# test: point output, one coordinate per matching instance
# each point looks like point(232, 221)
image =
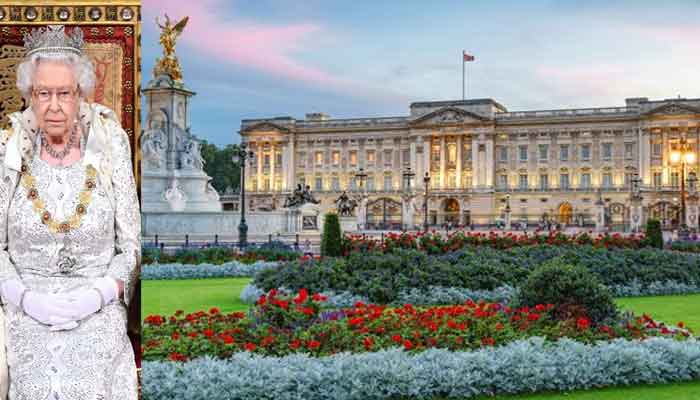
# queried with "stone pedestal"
point(348, 224)
point(361, 216)
point(691, 213)
point(304, 219)
point(173, 177)
point(636, 215)
point(599, 214)
point(408, 211)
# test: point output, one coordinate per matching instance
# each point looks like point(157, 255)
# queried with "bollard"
point(216, 239)
point(382, 239)
point(187, 240)
point(296, 242)
point(156, 240)
point(269, 238)
point(162, 247)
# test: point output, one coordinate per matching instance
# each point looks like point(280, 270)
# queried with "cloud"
point(270, 49)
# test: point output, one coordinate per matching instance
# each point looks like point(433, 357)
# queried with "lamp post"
point(407, 197)
point(426, 182)
point(408, 177)
point(240, 156)
point(361, 212)
point(361, 175)
point(684, 155)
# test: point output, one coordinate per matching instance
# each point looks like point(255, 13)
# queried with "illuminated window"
point(370, 156)
point(301, 159)
point(452, 153)
point(336, 158)
point(353, 158)
point(319, 158)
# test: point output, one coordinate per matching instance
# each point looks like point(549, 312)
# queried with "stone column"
point(644, 156)
point(489, 170)
point(291, 165)
point(426, 156)
point(458, 176)
point(272, 165)
point(599, 213)
point(443, 161)
point(666, 174)
point(413, 162)
point(260, 165)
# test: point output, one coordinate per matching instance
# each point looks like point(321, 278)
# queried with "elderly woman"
point(69, 232)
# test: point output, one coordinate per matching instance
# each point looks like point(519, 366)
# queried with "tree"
point(219, 167)
point(653, 235)
point(330, 242)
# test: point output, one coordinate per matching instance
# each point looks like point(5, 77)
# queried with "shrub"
point(229, 269)
point(576, 291)
point(653, 235)
point(331, 241)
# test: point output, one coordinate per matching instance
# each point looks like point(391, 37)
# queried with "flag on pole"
point(467, 57)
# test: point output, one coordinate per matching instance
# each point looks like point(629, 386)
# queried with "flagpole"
point(462, 74)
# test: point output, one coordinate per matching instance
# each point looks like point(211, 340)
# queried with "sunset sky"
point(267, 58)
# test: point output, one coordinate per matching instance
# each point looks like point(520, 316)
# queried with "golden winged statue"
point(169, 64)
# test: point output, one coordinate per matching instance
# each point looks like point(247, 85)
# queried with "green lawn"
point(165, 297)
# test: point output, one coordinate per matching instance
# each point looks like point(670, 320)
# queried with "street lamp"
point(426, 182)
point(408, 177)
point(361, 175)
point(240, 156)
point(683, 156)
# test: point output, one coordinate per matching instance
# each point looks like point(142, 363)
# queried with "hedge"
point(525, 366)
point(231, 269)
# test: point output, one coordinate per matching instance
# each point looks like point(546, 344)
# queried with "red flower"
point(268, 340)
point(177, 357)
point(250, 346)
point(499, 326)
point(302, 296)
point(227, 339)
point(208, 333)
point(262, 300)
point(397, 338)
point(368, 343)
point(533, 317)
point(213, 311)
point(488, 341)
point(179, 312)
point(313, 344)
point(193, 334)
point(295, 344)
point(540, 307)
point(175, 336)
point(407, 345)
point(681, 324)
point(318, 297)
point(356, 321)
point(583, 323)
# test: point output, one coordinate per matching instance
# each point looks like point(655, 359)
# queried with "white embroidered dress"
point(94, 360)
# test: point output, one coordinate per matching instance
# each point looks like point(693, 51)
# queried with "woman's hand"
point(85, 302)
point(47, 308)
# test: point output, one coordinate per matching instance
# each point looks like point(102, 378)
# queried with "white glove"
point(11, 291)
point(47, 309)
point(85, 302)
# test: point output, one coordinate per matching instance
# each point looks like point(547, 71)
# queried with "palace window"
point(353, 158)
point(564, 152)
point(467, 152)
point(301, 159)
point(370, 157)
point(319, 158)
point(585, 181)
point(657, 179)
point(336, 158)
point(278, 159)
point(656, 150)
point(406, 157)
point(335, 183)
point(585, 152)
point(353, 183)
point(629, 151)
point(522, 182)
point(435, 155)
point(388, 157)
point(503, 181)
point(388, 184)
point(564, 181)
point(607, 151)
point(544, 149)
point(544, 182)
point(278, 184)
point(503, 153)
point(451, 181)
point(266, 160)
point(607, 180)
point(266, 185)
point(675, 181)
point(523, 153)
point(451, 153)
point(319, 183)
point(370, 183)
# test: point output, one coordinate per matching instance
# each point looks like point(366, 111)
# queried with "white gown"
point(94, 360)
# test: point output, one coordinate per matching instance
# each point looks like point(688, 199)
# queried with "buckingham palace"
point(474, 159)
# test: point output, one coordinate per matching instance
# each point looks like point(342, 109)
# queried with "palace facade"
point(547, 165)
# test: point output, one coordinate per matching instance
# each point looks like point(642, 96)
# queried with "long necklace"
point(84, 197)
point(59, 155)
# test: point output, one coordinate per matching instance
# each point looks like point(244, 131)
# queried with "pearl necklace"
point(55, 154)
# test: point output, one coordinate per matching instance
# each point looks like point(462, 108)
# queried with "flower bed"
point(280, 325)
point(382, 277)
point(518, 367)
point(221, 255)
point(231, 269)
point(436, 243)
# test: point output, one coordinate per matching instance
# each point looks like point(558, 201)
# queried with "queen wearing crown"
point(69, 231)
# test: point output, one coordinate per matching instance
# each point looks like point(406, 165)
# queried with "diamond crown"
point(53, 39)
